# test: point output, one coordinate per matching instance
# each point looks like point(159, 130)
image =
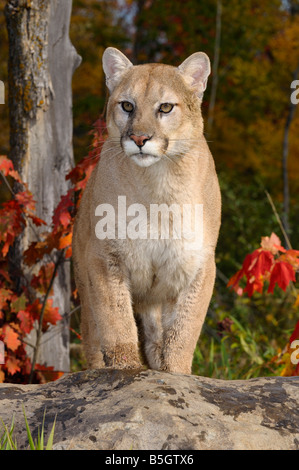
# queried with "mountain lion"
point(150, 287)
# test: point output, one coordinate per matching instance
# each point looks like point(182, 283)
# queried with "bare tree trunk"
point(215, 67)
point(41, 64)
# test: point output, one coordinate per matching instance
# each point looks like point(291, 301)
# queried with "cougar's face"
point(151, 114)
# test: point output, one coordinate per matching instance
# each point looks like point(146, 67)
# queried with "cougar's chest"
point(159, 269)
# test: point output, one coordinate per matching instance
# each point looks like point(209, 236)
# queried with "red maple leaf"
point(11, 224)
point(37, 250)
point(291, 257)
point(7, 168)
point(12, 365)
point(266, 263)
point(256, 267)
point(282, 274)
point(25, 199)
point(6, 165)
point(11, 338)
point(66, 241)
point(62, 214)
point(26, 321)
point(81, 173)
point(42, 280)
point(295, 334)
point(51, 314)
point(272, 244)
point(36, 220)
point(6, 295)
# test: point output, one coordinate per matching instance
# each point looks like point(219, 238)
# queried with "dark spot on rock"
point(169, 438)
point(177, 403)
point(11, 393)
point(188, 421)
point(93, 438)
point(271, 398)
point(169, 390)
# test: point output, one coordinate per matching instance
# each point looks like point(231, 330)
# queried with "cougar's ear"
point(196, 70)
point(115, 64)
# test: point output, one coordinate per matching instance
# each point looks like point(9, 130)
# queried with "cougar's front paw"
point(123, 356)
point(154, 355)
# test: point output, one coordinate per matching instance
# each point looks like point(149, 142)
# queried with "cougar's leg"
point(182, 321)
point(150, 316)
point(108, 327)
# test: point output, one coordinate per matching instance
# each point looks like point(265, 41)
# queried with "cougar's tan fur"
point(157, 284)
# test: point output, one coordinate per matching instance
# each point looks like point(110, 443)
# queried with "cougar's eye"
point(127, 106)
point(166, 108)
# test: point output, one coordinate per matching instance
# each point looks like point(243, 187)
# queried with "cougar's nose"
point(139, 140)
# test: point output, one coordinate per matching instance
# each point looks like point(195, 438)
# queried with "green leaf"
point(250, 351)
point(6, 442)
point(19, 304)
point(31, 443)
point(51, 437)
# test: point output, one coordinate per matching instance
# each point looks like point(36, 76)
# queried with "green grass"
point(7, 441)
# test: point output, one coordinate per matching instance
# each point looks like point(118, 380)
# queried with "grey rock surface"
point(150, 410)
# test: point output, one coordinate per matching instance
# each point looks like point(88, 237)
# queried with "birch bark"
point(42, 61)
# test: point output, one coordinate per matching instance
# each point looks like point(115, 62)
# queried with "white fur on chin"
point(144, 160)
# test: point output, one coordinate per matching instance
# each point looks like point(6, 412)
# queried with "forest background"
point(254, 50)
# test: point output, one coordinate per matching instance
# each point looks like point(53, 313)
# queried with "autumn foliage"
point(271, 265)
point(271, 262)
point(25, 291)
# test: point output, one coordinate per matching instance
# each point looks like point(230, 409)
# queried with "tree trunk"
point(215, 67)
point(41, 64)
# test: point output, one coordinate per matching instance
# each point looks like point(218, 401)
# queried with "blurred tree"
point(170, 30)
point(95, 25)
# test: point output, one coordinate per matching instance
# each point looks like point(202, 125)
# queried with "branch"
point(39, 331)
point(279, 220)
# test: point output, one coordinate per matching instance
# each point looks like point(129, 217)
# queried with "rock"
point(150, 410)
